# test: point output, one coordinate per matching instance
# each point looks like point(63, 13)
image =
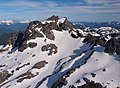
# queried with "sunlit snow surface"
point(72, 53)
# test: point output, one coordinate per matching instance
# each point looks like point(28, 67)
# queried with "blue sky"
point(74, 10)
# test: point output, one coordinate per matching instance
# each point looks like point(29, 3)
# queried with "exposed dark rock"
point(77, 35)
point(52, 48)
point(3, 76)
point(33, 55)
point(62, 26)
point(53, 18)
point(47, 30)
point(78, 81)
point(27, 75)
point(23, 46)
point(72, 86)
point(86, 79)
point(118, 47)
point(12, 39)
point(60, 83)
point(114, 34)
point(74, 36)
point(40, 64)
point(93, 74)
point(69, 24)
point(34, 35)
point(111, 46)
point(101, 41)
point(104, 69)
point(34, 24)
point(32, 44)
point(89, 38)
point(20, 39)
point(91, 84)
point(2, 50)
point(2, 66)
point(93, 39)
point(22, 66)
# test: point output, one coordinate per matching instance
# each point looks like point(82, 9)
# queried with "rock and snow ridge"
point(55, 54)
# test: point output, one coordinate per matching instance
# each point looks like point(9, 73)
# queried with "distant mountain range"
point(9, 22)
point(112, 24)
point(8, 27)
point(12, 25)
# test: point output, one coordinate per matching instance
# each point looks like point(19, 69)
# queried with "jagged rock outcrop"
point(52, 48)
point(55, 54)
point(111, 46)
point(38, 29)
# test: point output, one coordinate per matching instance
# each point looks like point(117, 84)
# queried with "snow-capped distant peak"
point(24, 21)
point(7, 22)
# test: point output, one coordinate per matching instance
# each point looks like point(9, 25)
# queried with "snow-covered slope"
point(55, 54)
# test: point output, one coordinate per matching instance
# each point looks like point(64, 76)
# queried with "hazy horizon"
point(74, 10)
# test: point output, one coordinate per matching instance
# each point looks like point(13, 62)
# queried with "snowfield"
point(72, 62)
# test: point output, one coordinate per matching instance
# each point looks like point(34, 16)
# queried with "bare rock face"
point(32, 44)
point(20, 39)
point(47, 30)
point(91, 84)
point(69, 24)
point(12, 39)
point(39, 29)
point(3, 76)
point(89, 38)
point(118, 47)
point(40, 64)
point(53, 18)
point(52, 48)
point(23, 46)
point(27, 75)
point(34, 24)
point(111, 46)
point(93, 39)
point(101, 41)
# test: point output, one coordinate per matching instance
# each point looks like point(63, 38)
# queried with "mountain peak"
point(41, 29)
point(56, 54)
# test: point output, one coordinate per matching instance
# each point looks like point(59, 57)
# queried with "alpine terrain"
point(56, 54)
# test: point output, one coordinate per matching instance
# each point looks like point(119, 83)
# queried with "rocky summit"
point(56, 54)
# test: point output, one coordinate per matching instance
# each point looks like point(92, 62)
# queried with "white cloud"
point(102, 1)
point(28, 3)
point(34, 8)
point(33, 4)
